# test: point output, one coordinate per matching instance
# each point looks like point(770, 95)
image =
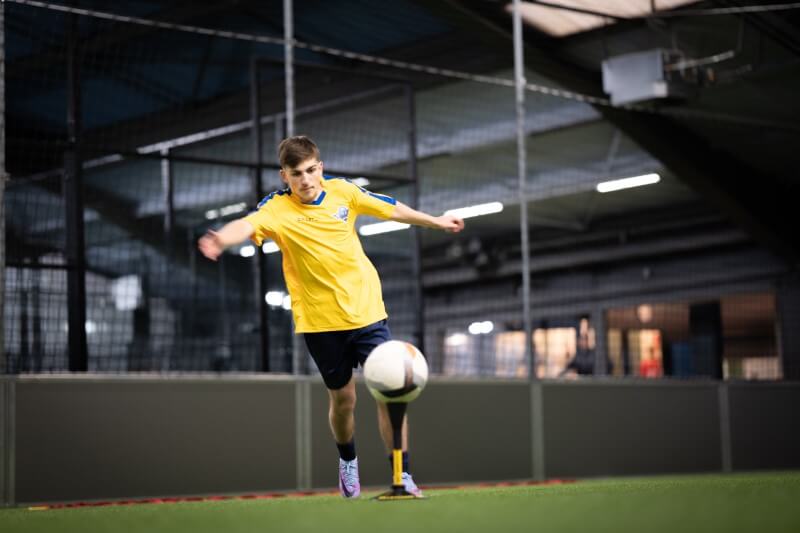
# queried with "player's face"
point(305, 180)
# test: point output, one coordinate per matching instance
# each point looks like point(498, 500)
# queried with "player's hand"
point(450, 223)
point(210, 245)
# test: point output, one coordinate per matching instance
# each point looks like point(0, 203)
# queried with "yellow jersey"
point(332, 284)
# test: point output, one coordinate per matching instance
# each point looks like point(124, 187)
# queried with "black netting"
point(634, 283)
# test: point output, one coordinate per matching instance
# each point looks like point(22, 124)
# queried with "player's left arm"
point(448, 223)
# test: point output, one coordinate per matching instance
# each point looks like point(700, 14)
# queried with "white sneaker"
point(349, 485)
point(410, 486)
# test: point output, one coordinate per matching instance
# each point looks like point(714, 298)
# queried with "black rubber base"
point(397, 493)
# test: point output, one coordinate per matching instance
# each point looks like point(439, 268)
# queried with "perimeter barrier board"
point(99, 438)
point(5, 439)
point(459, 431)
point(620, 429)
point(116, 437)
point(765, 425)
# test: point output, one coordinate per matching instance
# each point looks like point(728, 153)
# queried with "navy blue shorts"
point(337, 353)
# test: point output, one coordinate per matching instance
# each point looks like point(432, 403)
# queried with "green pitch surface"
point(677, 504)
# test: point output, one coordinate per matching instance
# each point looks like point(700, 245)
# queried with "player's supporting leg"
point(342, 403)
point(385, 426)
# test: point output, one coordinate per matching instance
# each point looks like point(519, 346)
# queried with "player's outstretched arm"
point(213, 243)
point(448, 223)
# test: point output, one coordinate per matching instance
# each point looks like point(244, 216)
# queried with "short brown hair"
point(294, 150)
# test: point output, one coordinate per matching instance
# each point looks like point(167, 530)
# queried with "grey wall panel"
point(473, 431)
point(4, 436)
point(459, 431)
point(98, 438)
point(765, 425)
point(95, 439)
point(603, 429)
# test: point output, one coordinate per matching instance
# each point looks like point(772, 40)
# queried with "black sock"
point(405, 462)
point(347, 451)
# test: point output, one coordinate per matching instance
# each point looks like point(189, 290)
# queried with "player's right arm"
point(213, 243)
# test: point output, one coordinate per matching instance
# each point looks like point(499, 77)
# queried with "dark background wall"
point(5, 435)
point(765, 426)
point(99, 438)
point(629, 429)
point(469, 431)
point(113, 438)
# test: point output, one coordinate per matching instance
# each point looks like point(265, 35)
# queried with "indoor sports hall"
point(612, 340)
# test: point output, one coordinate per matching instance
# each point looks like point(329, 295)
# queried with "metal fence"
point(129, 137)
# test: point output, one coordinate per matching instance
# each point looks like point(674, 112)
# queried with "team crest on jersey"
point(342, 214)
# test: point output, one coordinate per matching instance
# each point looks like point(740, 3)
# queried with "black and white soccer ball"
point(395, 371)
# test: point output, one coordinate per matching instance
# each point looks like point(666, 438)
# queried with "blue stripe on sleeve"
point(387, 199)
point(270, 196)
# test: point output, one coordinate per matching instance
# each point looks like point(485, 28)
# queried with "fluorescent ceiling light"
point(269, 247)
point(456, 339)
point(561, 22)
point(382, 227)
point(476, 210)
point(461, 212)
point(224, 211)
point(627, 183)
point(478, 328)
point(361, 182)
point(275, 298)
point(247, 251)
point(126, 292)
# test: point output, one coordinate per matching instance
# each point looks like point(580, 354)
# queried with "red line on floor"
point(275, 495)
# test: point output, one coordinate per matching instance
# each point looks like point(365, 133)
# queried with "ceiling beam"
point(756, 201)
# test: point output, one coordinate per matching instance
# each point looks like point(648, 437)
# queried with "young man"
point(335, 291)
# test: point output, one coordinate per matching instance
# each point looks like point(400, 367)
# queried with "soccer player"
point(335, 290)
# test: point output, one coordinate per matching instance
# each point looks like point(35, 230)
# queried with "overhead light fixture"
point(247, 251)
point(126, 292)
point(455, 340)
point(224, 211)
point(476, 210)
point(382, 227)
point(269, 247)
point(361, 182)
point(461, 212)
point(481, 328)
point(275, 298)
point(566, 18)
point(627, 183)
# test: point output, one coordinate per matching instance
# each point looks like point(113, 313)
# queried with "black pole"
point(3, 361)
point(397, 411)
point(73, 208)
point(705, 328)
point(222, 358)
point(37, 346)
point(416, 234)
point(258, 190)
point(24, 330)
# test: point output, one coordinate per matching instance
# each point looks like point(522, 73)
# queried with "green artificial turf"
point(762, 503)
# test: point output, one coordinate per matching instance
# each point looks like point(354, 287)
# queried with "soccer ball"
point(395, 371)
